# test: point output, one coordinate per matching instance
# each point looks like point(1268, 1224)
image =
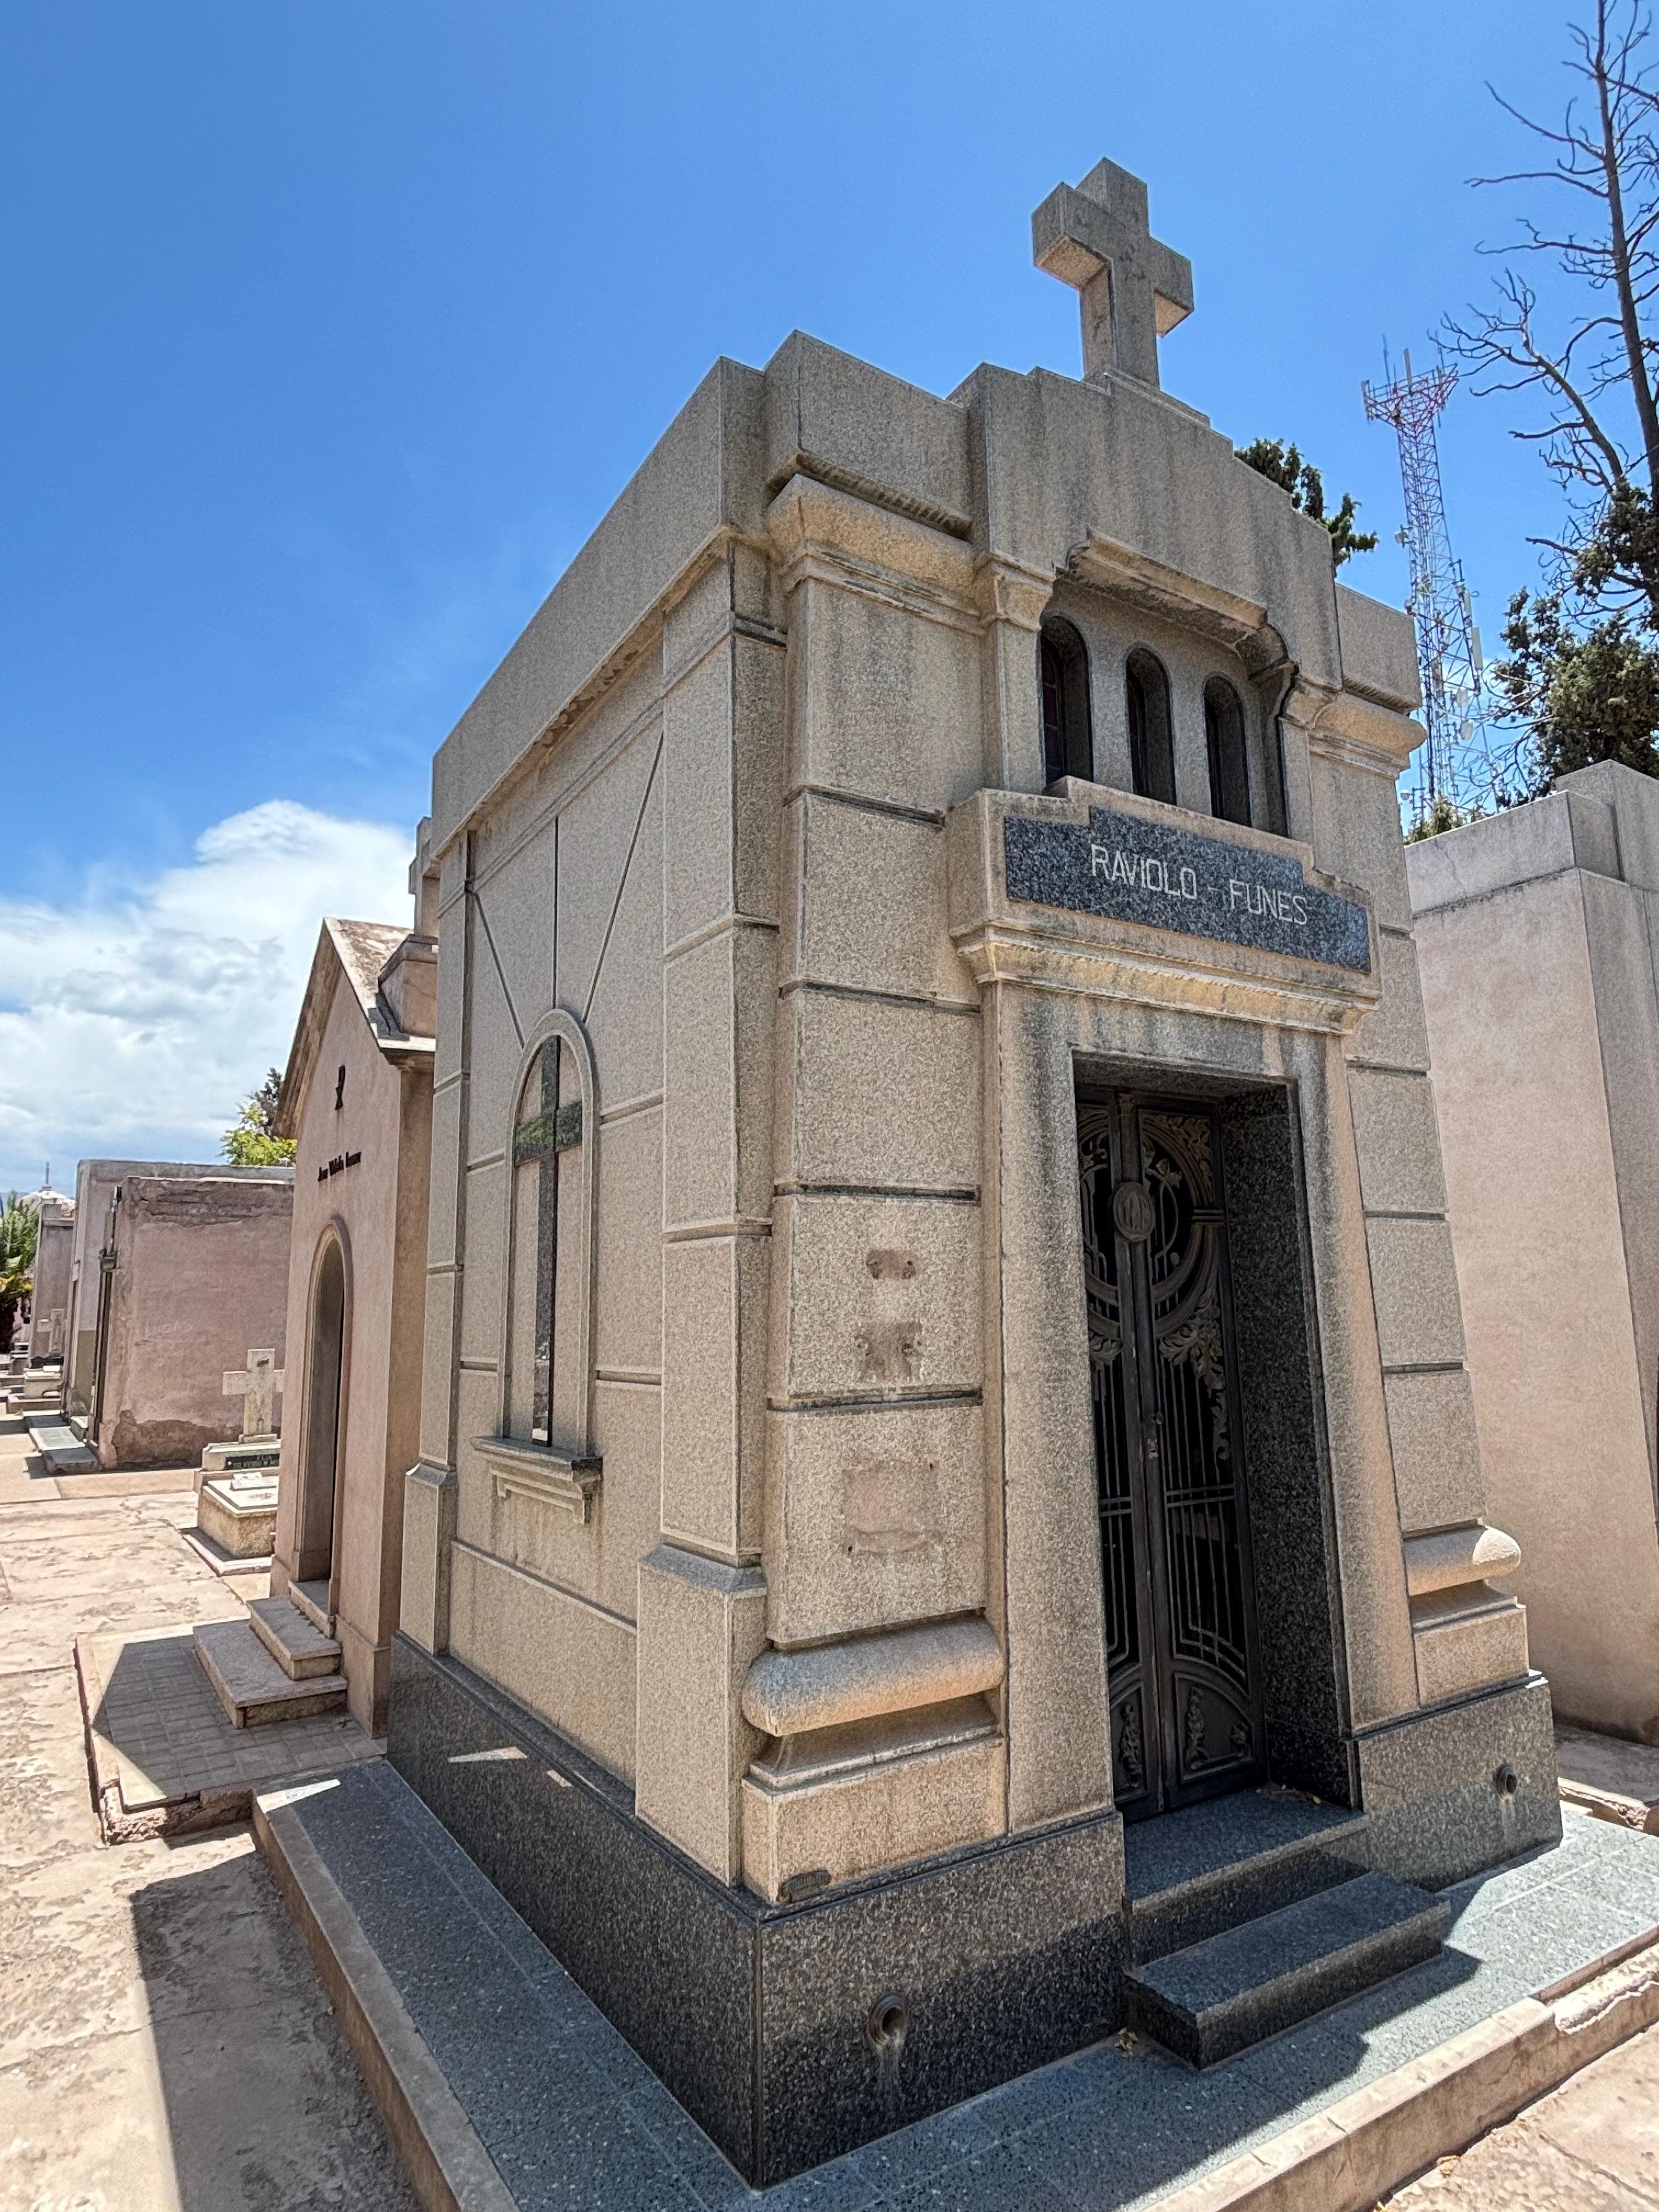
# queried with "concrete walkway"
point(1591, 2147)
point(164, 2044)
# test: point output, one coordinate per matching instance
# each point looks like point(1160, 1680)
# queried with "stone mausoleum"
point(357, 1099)
point(1537, 935)
point(948, 1489)
point(176, 1268)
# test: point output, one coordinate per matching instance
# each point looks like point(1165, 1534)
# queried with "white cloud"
point(134, 1022)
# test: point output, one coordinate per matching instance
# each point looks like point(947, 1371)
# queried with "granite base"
point(1461, 1788)
point(791, 2033)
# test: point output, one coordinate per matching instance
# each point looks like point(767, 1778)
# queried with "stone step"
point(61, 1449)
point(1196, 1873)
point(1237, 1989)
point(293, 1639)
point(250, 1685)
point(311, 1598)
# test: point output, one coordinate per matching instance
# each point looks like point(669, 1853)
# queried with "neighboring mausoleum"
point(946, 1472)
point(357, 1098)
point(1536, 930)
point(50, 1282)
point(177, 1268)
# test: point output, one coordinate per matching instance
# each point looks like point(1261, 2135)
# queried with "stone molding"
point(1009, 592)
point(1134, 578)
point(1347, 727)
point(828, 535)
point(535, 1471)
point(1456, 1557)
point(913, 508)
point(788, 1693)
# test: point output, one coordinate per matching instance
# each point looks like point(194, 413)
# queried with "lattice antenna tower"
point(1456, 762)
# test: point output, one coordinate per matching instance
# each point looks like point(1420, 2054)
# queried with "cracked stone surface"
point(1591, 2146)
point(164, 2046)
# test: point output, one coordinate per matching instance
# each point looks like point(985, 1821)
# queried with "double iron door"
point(1183, 1666)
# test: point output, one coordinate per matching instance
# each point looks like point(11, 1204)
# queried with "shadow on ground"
point(265, 2109)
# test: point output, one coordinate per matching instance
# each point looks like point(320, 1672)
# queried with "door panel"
point(1182, 1658)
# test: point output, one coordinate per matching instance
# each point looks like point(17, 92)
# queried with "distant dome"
point(46, 1196)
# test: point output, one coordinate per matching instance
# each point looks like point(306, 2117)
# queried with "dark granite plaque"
point(1132, 869)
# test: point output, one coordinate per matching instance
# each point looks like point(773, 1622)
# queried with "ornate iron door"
point(1182, 1663)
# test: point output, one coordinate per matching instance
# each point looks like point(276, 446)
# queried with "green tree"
point(1283, 464)
point(1442, 813)
point(20, 1225)
point(1585, 692)
point(1582, 679)
point(254, 1142)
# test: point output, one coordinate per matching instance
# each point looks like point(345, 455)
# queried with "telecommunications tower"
point(1455, 764)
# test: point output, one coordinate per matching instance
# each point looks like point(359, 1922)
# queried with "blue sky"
point(335, 325)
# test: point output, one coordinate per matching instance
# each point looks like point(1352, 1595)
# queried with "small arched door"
point(320, 1469)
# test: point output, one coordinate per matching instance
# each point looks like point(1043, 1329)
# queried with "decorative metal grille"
point(1182, 1649)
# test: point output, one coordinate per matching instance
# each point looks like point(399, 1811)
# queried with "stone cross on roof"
point(1097, 236)
point(256, 1385)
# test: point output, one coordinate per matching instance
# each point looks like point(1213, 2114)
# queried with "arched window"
point(1229, 774)
point(1068, 743)
point(542, 1129)
point(1152, 740)
point(547, 1369)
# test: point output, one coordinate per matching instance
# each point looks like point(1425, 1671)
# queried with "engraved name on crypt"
point(1130, 870)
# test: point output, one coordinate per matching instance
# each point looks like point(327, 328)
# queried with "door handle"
point(1152, 1439)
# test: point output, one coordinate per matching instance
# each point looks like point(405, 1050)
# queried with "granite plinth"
point(569, 2115)
point(1236, 1989)
point(791, 2033)
point(1462, 1787)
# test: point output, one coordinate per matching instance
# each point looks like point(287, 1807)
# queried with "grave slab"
point(239, 1513)
point(61, 1449)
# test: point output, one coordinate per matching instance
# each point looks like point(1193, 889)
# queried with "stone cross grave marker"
point(256, 1385)
point(1097, 236)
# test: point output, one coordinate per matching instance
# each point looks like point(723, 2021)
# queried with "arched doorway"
point(320, 1446)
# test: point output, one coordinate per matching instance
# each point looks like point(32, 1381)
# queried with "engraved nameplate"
point(1132, 869)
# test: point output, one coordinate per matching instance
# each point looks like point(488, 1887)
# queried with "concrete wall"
point(200, 1277)
point(376, 1210)
point(1538, 988)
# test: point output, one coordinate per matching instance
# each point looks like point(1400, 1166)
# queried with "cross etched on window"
point(544, 1130)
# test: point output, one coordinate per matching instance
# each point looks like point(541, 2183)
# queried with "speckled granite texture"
point(1292, 1538)
point(1429, 1784)
point(1133, 870)
point(1006, 1956)
point(575, 2120)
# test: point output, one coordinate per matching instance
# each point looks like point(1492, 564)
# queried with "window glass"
point(1068, 743)
point(1151, 746)
point(1224, 730)
point(535, 1249)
